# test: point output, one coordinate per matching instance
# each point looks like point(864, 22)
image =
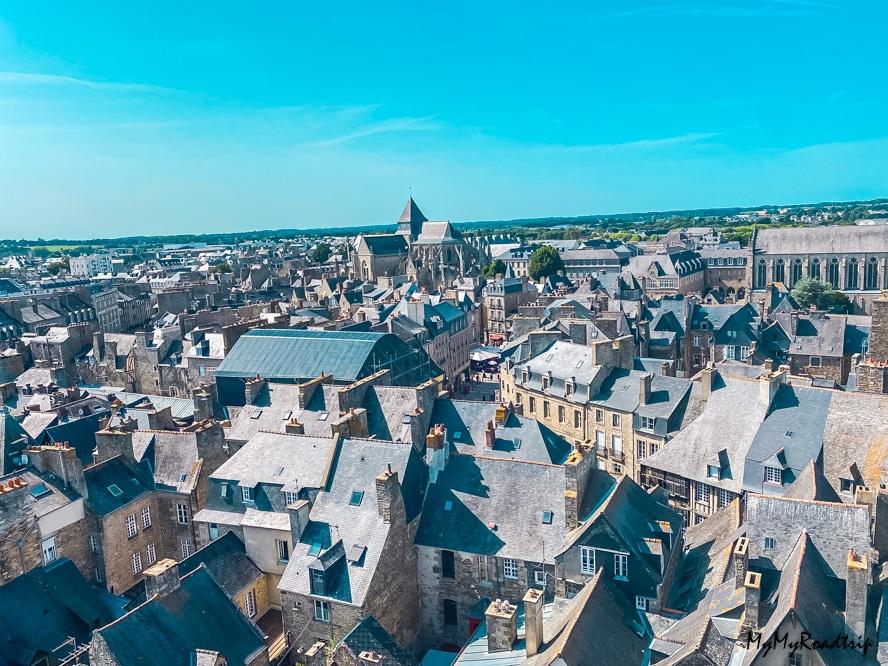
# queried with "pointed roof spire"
point(411, 213)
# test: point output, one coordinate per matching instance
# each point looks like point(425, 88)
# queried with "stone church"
point(431, 253)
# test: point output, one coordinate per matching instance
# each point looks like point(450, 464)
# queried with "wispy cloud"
point(36, 79)
point(637, 144)
point(391, 125)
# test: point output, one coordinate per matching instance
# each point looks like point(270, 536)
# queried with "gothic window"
point(796, 273)
point(761, 274)
point(779, 272)
point(871, 281)
point(851, 274)
point(833, 274)
point(814, 269)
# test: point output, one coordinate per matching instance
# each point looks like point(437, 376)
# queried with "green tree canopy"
point(544, 262)
point(495, 267)
point(834, 301)
point(811, 292)
point(321, 253)
point(222, 267)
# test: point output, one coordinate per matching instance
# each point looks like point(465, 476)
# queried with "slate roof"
point(368, 635)
point(811, 484)
point(466, 423)
point(487, 516)
point(815, 335)
point(288, 355)
point(277, 404)
point(227, 562)
point(164, 631)
point(169, 455)
point(110, 472)
point(565, 360)
point(80, 433)
point(335, 523)
point(386, 244)
point(13, 438)
point(434, 233)
point(822, 240)
point(43, 608)
point(621, 391)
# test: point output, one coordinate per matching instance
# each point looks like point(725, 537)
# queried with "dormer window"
point(774, 475)
point(545, 383)
point(568, 389)
point(846, 486)
point(525, 375)
point(713, 471)
point(247, 494)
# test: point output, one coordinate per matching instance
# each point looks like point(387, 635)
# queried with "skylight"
point(457, 434)
point(517, 442)
point(547, 517)
point(323, 416)
point(356, 497)
point(279, 471)
point(39, 491)
point(182, 477)
point(115, 490)
point(314, 549)
point(256, 414)
point(448, 505)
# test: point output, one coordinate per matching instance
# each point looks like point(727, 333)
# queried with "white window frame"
point(321, 610)
point(93, 544)
point(641, 446)
point(283, 550)
point(150, 554)
point(131, 526)
point(145, 515)
point(702, 493)
point(729, 352)
point(250, 602)
point(641, 603)
point(186, 548)
point(615, 420)
point(819, 363)
point(696, 340)
point(50, 553)
point(539, 577)
point(136, 562)
point(744, 352)
point(510, 568)
point(621, 566)
point(247, 493)
point(290, 497)
point(724, 497)
point(648, 422)
point(587, 560)
point(773, 475)
point(182, 514)
point(617, 443)
point(770, 543)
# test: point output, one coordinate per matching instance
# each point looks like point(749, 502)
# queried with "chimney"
point(502, 415)
point(369, 658)
point(316, 655)
point(577, 468)
point(665, 369)
point(769, 384)
point(533, 621)
point(793, 323)
point(203, 405)
point(644, 388)
point(161, 578)
point(741, 562)
point(502, 625)
point(298, 511)
point(489, 435)
point(761, 304)
point(706, 381)
point(578, 332)
point(856, 594)
point(753, 590)
point(99, 346)
point(294, 427)
point(388, 496)
point(116, 442)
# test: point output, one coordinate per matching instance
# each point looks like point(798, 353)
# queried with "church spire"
point(411, 220)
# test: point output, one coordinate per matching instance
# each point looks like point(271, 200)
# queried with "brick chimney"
point(501, 415)
point(489, 435)
point(388, 496)
point(502, 625)
point(644, 388)
point(706, 382)
point(856, 594)
point(577, 468)
point(751, 600)
point(741, 562)
point(161, 578)
point(769, 384)
point(116, 442)
point(294, 427)
point(533, 621)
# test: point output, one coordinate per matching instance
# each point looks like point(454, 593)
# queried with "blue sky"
point(122, 118)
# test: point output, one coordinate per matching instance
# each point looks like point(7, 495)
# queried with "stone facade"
point(20, 549)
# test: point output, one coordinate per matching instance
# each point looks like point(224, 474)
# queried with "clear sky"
point(118, 118)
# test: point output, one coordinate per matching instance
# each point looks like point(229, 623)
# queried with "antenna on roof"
point(390, 468)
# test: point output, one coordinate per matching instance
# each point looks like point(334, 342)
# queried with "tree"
point(222, 267)
point(495, 267)
point(321, 253)
point(544, 262)
point(834, 301)
point(808, 291)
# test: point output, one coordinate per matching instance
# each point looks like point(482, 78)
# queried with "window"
point(98, 574)
point(846, 485)
point(318, 582)
point(251, 603)
point(561, 414)
point(654, 447)
point(247, 494)
point(94, 544)
point(151, 554)
point(617, 443)
point(770, 543)
point(641, 603)
point(724, 497)
point(621, 566)
point(773, 475)
point(814, 362)
point(642, 448)
point(577, 418)
point(356, 497)
point(713, 471)
point(115, 490)
point(213, 531)
point(322, 610)
point(448, 564)
point(701, 493)
point(545, 409)
point(599, 416)
point(532, 404)
point(539, 577)
point(290, 498)
point(186, 548)
point(599, 440)
point(145, 514)
point(283, 550)
point(449, 612)
point(545, 383)
point(795, 658)
point(587, 560)
point(568, 390)
point(137, 562)
point(131, 526)
point(615, 420)
point(182, 514)
point(647, 423)
point(510, 569)
point(696, 340)
point(744, 352)
point(547, 517)
point(49, 551)
point(730, 353)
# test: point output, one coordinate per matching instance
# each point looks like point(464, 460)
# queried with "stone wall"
point(20, 548)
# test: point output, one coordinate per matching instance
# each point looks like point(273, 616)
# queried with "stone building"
point(672, 271)
point(502, 298)
point(872, 370)
point(853, 259)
